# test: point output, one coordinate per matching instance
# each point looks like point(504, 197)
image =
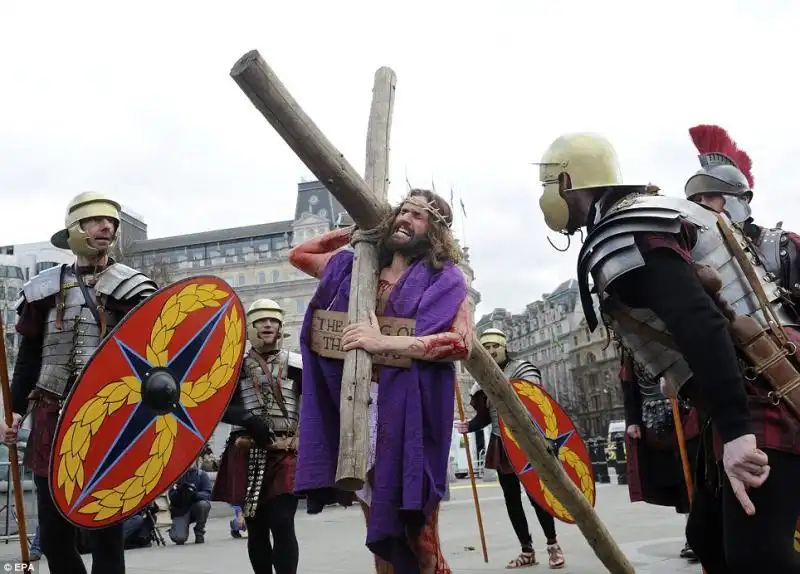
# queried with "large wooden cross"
point(367, 205)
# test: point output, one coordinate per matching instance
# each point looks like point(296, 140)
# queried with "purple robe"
point(415, 405)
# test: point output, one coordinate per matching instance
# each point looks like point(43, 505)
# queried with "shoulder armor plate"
point(610, 249)
point(43, 285)
point(122, 282)
point(292, 359)
point(770, 244)
point(516, 369)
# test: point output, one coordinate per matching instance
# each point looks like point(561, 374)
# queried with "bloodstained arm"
point(312, 256)
point(450, 346)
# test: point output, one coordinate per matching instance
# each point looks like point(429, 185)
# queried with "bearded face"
point(408, 233)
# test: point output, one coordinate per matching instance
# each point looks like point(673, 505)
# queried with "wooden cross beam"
point(273, 100)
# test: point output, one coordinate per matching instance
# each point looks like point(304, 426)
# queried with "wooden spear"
point(475, 498)
point(687, 472)
point(268, 94)
point(13, 454)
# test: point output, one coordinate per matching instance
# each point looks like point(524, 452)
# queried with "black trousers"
point(273, 516)
point(512, 492)
point(727, 541)
point(58, 539)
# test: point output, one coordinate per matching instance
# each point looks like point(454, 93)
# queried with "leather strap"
point(60, 298)
point(274, 385)
point(96, 308)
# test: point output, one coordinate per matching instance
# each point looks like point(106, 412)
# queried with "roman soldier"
point(495, 342)
point(730, 170)
point(258, 465)
point(65, 312)
point(675, 284)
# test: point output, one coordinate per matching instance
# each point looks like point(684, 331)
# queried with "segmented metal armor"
point(779, 256)
point(75, 328)
point(514, 369)
point(275, 397)
point(610, 251)
point(656, 407)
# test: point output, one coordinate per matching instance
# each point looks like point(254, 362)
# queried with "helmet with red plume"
point(725, 170)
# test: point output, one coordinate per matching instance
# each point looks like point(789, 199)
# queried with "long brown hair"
point(439, 245)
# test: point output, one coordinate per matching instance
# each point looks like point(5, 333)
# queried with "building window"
point(262, 277)
point(229, 281)
point(276, 276)
point(230, 255)
point(300, 306)
point(242, 279)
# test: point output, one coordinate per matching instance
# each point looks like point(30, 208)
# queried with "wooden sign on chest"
point(326, 336)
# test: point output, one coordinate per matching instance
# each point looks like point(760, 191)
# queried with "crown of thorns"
point(419, 200)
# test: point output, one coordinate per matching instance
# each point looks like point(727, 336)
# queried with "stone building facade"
point(594, 359)
point(577, 369)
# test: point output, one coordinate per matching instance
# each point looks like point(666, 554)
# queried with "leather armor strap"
point(61, 297)
point(96, 308)
point(274, 385)
point(256, 468)
point(771, 351)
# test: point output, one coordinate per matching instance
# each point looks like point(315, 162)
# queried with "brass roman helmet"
point(262, 309)
point(590, 162)
point(85, 206)
point(494, 336)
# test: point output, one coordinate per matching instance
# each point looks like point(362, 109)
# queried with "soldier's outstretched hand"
point(747, 466)
point(9, 434)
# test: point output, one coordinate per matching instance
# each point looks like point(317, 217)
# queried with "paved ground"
point(332, 542)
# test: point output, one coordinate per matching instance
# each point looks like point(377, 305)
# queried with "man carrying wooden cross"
point(411, 410)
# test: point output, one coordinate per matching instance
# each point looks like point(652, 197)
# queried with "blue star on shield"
point(143, 416)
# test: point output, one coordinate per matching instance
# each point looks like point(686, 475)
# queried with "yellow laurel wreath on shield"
point(566, 454)
point(89, 418)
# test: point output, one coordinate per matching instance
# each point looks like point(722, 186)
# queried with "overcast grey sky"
point(138, 102)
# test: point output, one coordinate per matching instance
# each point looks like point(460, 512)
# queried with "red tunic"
point(496, 457)
point(231, 483)
point(424, 543)
point(654, 468)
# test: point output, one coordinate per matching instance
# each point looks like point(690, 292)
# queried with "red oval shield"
point(147, 401)
point(557, 428)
